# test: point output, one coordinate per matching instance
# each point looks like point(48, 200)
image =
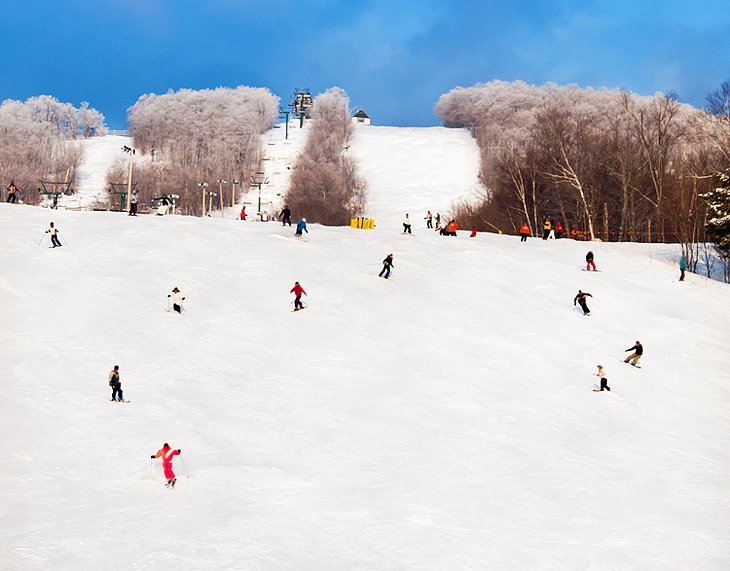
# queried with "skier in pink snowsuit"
point(167, 453)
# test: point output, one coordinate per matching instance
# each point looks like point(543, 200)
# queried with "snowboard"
point(293, 310)
point(584, 270)
point(110, 400)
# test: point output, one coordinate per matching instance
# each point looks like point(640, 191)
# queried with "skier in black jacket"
point(638, 351)
point(387, 265)
point(581, 299)
point(285, 216)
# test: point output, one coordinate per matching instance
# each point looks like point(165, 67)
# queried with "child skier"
point(12, 192)
point(387, 265)
point(167, 453)
point(53, 231)
point(473, 232)
point(589, 262)
point(581, 299)
point(177, 300)
point(301, 227)
point(116, 384)
point(682, 268)
point(298, 290)
point(524, 232)
point(243, 212)
point(601, 374)
point(638, 351)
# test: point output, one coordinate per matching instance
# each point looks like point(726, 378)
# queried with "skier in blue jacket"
point(301, 225)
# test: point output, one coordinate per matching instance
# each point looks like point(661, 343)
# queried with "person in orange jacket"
point(453, 227)
point(298, 290)
point(524, 232)
point(167, 454)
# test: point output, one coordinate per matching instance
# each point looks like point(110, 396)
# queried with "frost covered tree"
point(718, 213)
point(325, 186)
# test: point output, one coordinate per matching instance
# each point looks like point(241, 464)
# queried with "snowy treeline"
point(197, 136)
point(607, 163)
point(325, 186)
point(33, 141)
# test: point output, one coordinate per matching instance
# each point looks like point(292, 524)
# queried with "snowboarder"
point(177, 299)
point(429, 220)
point(116, 384)
point(133, 204)
point(12, 192)
point(301, 226)
point(53, 231)
point(167, 454)
point(547, 227)
point(682, 268)
point(524, 232)
point(298, 290)
point(638, 351)
point(473, 232)
point(601, 374)
point(387, 266)
point(243, 213)
point(285, 216)
point(589, 262)
point(581, 299)
point(406, 225)
point(164, 208)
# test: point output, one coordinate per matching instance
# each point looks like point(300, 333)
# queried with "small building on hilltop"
point(361, 118)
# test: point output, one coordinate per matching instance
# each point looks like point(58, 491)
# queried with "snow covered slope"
point(442, 419)
point(414, 169)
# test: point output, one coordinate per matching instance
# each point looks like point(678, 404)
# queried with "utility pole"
point(203, 186)
point(286, 125)
point(131, 151)
point(234, 182)
point(257, 181)
point(211, 194)
point(221, 182)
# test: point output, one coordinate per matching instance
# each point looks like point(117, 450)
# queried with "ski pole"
point(64, 240)
point(149, 476)
point(184, 467)
point(41, 240)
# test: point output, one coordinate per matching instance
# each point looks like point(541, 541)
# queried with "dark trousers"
point(177, 307)
point(287, 220)
point(385, 270)
point(406, 228)
point(545, 234)
point(681, 275)
point(54, 240)
point(429, 223)
point(133, 209)
point(117, 389)
point(584, 307)
point(523, 238)
point(11, 197)
point(604, 384)
point(298, 302)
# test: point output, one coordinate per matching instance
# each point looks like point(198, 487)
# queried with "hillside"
point(443, 419)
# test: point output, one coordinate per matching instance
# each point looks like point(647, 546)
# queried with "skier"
point(473, 232)
point(243, 213)
point(438, 219)
point(429, 220)
point(301, 226)
point(638, 351)
point(133, 204)
point(682, 268)
point(524, 232)
point(551, 236)
point(53, 231)
point(12, 192)
point(387, 266)
point(116, 384)
point(285, 216)
point(298, 290)
point(589, 262)
point(164, 207)
point(601, 374)
point(167, 453)
point(452, 228)
point(177, 299)
point(406, 225)
point(581, 299)
point(547, 227)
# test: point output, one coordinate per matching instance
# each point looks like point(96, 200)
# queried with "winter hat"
point(304, 219)
point(175, 290)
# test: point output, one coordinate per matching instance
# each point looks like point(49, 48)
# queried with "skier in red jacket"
point(167, 453)
point(298, 290)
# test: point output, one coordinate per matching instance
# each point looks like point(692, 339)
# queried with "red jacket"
point(525, 229)
point(473, 232)
point(298, 290)
point(167, 454)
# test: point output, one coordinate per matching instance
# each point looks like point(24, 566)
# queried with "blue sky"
point(394, 58)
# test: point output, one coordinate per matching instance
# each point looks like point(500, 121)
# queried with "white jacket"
point(177, 298)
point(407, 220)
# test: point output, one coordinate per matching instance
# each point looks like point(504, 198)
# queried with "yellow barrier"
point(362, 223)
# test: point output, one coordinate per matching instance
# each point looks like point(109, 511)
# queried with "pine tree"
point(718, 214)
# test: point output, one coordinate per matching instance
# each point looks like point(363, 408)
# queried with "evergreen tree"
point(718, 215)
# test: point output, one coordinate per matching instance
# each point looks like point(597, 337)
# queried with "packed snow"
point(441, 419)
